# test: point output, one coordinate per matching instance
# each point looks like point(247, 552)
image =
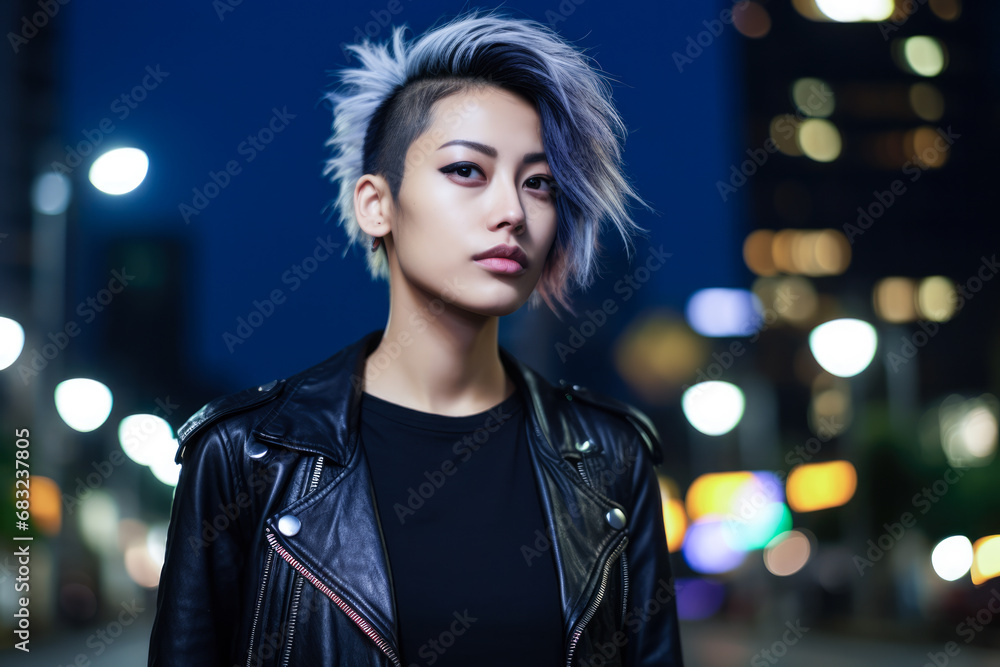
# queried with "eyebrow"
point(529, 158)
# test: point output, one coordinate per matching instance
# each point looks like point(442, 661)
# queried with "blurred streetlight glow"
point(952, 557)
point(844, 347)
point(986, 559)
point(657, 353)
point(924, 55)
point(82, 403)
point(756, 528)
point(156, 542)
point(46, 504)
point(969, 429)
point(142, 436)
point(817, 486)
point(819, 139)
point(706, 550)
point(141, 566)
point(853, 11)
point(715, 493)
point(714, 408)
point(11, 341)
point(97, 521)
point(163, 466)
point(936, 298)
point(946, 10)
point(895, 299)
point(675, 523)
point(119, 171)
point(813, 97)
point(719, 311)
point(787, 553)
point(50, 193)
point(757, 252)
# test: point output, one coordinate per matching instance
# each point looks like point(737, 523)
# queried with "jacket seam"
point(637, 445)
point(228, 448)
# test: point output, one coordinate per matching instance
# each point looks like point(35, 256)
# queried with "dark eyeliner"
point(451, 168)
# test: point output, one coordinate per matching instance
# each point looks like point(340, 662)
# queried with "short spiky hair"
point(385, 104)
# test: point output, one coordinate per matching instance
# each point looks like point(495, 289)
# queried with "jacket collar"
point(321, 406)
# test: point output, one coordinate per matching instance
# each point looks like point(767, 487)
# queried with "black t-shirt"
point(458, 500)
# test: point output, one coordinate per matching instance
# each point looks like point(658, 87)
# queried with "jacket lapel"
point(339, 540)
point(579, 533)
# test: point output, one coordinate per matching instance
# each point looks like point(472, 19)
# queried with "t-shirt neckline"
point(499, 413)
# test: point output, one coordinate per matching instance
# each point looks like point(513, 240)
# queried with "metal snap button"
point(583, 446)
point(616, 518)
point(289, 525)
point(256, 449)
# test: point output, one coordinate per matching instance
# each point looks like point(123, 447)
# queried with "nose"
point(507, 206)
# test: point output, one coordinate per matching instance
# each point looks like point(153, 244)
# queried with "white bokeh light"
point(142, 436)
point(163, 466)
point(119, 171)
point(11, 341)
point(82, 403)
point(850, 11)
point(713, 407)
point(952, 557)
point(924, 55)
point(844, 347)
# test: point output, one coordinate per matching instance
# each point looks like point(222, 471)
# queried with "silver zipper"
point(292, 615)
point(337, 600)
point(293, 612)
point(315, 476)
point(260, 600)
point(592, 607)
point(581, 466)
point(624, 587)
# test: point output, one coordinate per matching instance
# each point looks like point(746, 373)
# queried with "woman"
point(422, 497)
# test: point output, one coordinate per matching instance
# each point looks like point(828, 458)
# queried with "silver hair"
point(581, 129)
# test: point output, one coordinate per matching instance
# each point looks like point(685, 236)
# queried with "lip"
point(503, 258)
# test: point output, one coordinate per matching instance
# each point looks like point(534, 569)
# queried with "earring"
point(375, 242)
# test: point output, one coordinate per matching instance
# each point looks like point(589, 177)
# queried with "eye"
point(543, 184)
point(462, 169)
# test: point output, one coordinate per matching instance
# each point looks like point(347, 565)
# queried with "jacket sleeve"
point(651, 625)
point(198, 605)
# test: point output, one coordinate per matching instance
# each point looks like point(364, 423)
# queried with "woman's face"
point(476, 179)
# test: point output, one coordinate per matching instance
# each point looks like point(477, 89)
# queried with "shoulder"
point(249, 402)
point(599, 407)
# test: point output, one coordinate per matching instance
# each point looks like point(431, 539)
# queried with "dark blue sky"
point(222, 78)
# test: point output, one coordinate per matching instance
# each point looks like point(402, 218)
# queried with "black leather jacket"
point(275, 555)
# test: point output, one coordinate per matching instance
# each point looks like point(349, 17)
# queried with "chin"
point(502, 302)
point(497, 308)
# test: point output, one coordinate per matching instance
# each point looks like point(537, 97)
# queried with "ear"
point(373, 205)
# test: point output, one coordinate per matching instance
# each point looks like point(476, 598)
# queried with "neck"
point(444, 362)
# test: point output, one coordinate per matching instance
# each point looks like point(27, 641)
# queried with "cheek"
point(550, 230)
point(427, 243)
